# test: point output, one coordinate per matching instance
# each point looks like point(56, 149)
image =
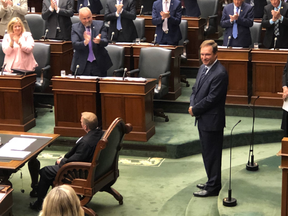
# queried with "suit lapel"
point(206, 76)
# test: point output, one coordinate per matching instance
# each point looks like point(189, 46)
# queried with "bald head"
point(85, 16)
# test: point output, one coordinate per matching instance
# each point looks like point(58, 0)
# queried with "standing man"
point(258, 7)
point(57, 15)
point(275, 20)
point(166, 15)
point(94, 5)
point(237, 18)
point(207, 104)
point(83, 151)
point(190, 8)
point(89, 39)
point(284, 125)
point(121, 14)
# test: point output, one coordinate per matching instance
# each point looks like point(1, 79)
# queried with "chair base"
point(160, 113)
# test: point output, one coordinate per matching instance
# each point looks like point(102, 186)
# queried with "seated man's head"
point(89, 121)
point(62, 201)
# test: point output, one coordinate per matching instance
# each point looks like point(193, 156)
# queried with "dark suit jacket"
point(258, 7)
point(81, 51)
point(127, 17)
point(192, 8)
point(282, 41)
point(84, 149)
point(208, 98)
point(63, 18)
point(174, 33)
point(95, 6)
point(244, 22)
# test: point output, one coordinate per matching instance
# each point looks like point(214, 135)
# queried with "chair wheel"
point(51, 110)
point(121, 202)
point(166, 119)
point(187, 84)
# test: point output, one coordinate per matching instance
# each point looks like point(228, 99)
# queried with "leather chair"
point(99, 175)
point(184, 41)
point(116, 54)
point(255, 32)
point(75, 19)
point(36, 25)
point(154, 62)
point(41, 54)
point(140, 27)
point(209, 10)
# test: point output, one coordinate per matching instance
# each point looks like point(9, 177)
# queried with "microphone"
point(275, 40)
point(76, 71)
point(155, 37)
point(251, 166)
point(3, 67)
point(124, 73)
point(46, 31)
point(80, 6)
point(228, 42)
point(141, 10)
point(112, 35)
point(229, 201)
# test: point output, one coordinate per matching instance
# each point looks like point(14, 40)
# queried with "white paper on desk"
point(14, 154)
point(2, 195)
point(139, 79)
point(112, 78)
point(285, 105)
point(18, 143)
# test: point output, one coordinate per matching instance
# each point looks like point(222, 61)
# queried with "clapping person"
point(18, 46)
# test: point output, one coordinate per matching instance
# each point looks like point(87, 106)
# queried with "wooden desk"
point(17, 105)
point(133, 102)
point(236, 63)
point(7, 167)
point(61, 56)
point(268, 66)
point(71, 98)
point(6, 202)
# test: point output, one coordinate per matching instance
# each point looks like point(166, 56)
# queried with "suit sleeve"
point(225, 19)
point(156, 17)
point(104, 38)
point(68, 11)
point(45, 10)
point(109, 15)
point(218, 90)
point(284, 77)
point(77, 40)
point(176, 20)
point(131, 12)
point(247, 20)
point(22, 8)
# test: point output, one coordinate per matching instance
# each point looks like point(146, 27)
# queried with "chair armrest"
point(44, 73)
point(134, 72)
point(213, 16)
point(166, 74)
point(118, 72)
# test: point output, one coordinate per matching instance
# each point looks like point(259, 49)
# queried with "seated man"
point(83, 151)
point(166, 15)
point(237, 18)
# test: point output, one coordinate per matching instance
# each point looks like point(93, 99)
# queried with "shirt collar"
point(279, 6)
point(210, 66)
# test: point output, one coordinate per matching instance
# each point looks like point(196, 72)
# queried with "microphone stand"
point(251, 166)
point(229, 201)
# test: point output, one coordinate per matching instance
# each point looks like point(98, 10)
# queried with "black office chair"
point(75, 19)
point(184, 41)
point(154, 62)
point(255, 32)
point(41, 54)
point(36, 25)
point(209, 12)
point(140, 28)
point(116, 54)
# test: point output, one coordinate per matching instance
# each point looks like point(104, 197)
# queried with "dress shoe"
point(201, 186)
point(37, 206)
point(205, 193)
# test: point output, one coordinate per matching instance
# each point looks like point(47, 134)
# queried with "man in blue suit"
point(89, 38)
point(237, 18)
point(191, 8)
point(94, 5)
point(166, 15)
point(207, 104)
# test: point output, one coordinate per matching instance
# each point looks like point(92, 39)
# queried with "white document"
point(18, 143)
point(2, 195)
point(285, 105)
point(14, 154)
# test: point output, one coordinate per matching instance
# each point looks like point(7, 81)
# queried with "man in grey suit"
point(57, 15)
point(207, 104)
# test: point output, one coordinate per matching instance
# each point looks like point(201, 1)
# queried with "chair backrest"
point(36, 25)
point(41, 54)
point(103, 2)
point(140, 27)
point(255, 32)
point(116, 54)
point(208, 7)
point(184, 29)
point(154, 61)
point(2, 55)
point(75, 19)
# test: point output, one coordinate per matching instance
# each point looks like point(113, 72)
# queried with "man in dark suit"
point(275, 20)
point(166, 15)
point(83, 151)
point(207, 104)
point(121, 14)
point(57, 15)
point(258, 7)
point(94, 5)
point(237, 18)
point(190, 8)
point(89, 39)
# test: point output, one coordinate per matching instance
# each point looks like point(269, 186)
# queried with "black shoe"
point(201, 186)
point(34, 193)
point(205, 193)
point(37, 206)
